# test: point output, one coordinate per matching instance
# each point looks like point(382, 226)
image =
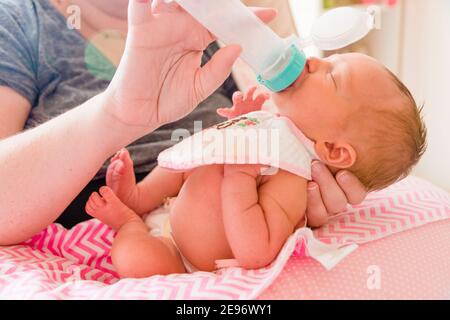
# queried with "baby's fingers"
point(261, 98)
point(238, 98)
point(250, 93)
point(225, 112)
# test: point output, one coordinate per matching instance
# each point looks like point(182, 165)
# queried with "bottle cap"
point(341, 27)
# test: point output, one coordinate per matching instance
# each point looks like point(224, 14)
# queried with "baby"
point(355, 114)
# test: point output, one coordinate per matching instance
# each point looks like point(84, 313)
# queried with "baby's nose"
point(316, 64)
point(313, 64)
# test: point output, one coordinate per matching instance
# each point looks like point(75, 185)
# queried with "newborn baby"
point(355, 114)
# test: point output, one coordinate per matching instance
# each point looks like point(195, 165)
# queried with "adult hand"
point(329, 195)
point(160, 78)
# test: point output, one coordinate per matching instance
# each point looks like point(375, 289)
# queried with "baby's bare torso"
point(196, 218)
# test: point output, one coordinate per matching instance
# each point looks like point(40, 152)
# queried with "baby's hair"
point(398, 142)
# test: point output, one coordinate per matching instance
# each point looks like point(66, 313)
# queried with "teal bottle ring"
point(288, 74)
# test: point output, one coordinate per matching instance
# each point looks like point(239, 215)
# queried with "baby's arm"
point(258, 220)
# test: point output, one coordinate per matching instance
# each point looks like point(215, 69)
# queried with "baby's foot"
point(121, 179)
point(108, 208)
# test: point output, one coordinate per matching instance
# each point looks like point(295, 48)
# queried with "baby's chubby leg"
point(148, 194)
point(135, 253)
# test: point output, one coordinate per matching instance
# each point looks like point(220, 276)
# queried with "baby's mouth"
point(297, 83)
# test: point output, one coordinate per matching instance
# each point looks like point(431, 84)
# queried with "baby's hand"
point(243, 105)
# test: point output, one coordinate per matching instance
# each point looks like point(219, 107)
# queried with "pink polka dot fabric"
point(414, 264)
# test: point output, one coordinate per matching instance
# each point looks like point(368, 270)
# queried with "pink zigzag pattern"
point(76, 264)
point(401, 207)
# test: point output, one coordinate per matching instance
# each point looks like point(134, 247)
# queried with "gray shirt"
point(56, 69)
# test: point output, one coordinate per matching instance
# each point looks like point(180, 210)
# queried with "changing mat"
point(76, 263)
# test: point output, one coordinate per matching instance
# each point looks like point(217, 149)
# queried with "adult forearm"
point(42, 170)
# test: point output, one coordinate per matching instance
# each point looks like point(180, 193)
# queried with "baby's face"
point(323, 99)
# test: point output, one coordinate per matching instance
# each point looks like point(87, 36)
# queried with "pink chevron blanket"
point(76, 264)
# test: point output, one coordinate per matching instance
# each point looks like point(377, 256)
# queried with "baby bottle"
point(277, 62)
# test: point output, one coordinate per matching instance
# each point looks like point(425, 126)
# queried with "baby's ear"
point(340, 155)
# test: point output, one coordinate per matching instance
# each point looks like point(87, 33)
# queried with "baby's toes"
point(94, 203)
point(108, 195)
point(116, 167)
point(96, 200)
point(89, 207)
point(115, 157)
point(127, 169)
point(114, 174)
point(124, 155)
point(119, 168)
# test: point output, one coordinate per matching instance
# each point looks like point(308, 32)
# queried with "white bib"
point(255, 138)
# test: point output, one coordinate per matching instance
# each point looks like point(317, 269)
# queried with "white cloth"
point(255, 138)
point(158, 222)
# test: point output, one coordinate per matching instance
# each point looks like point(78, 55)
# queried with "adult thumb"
point(217, 70)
